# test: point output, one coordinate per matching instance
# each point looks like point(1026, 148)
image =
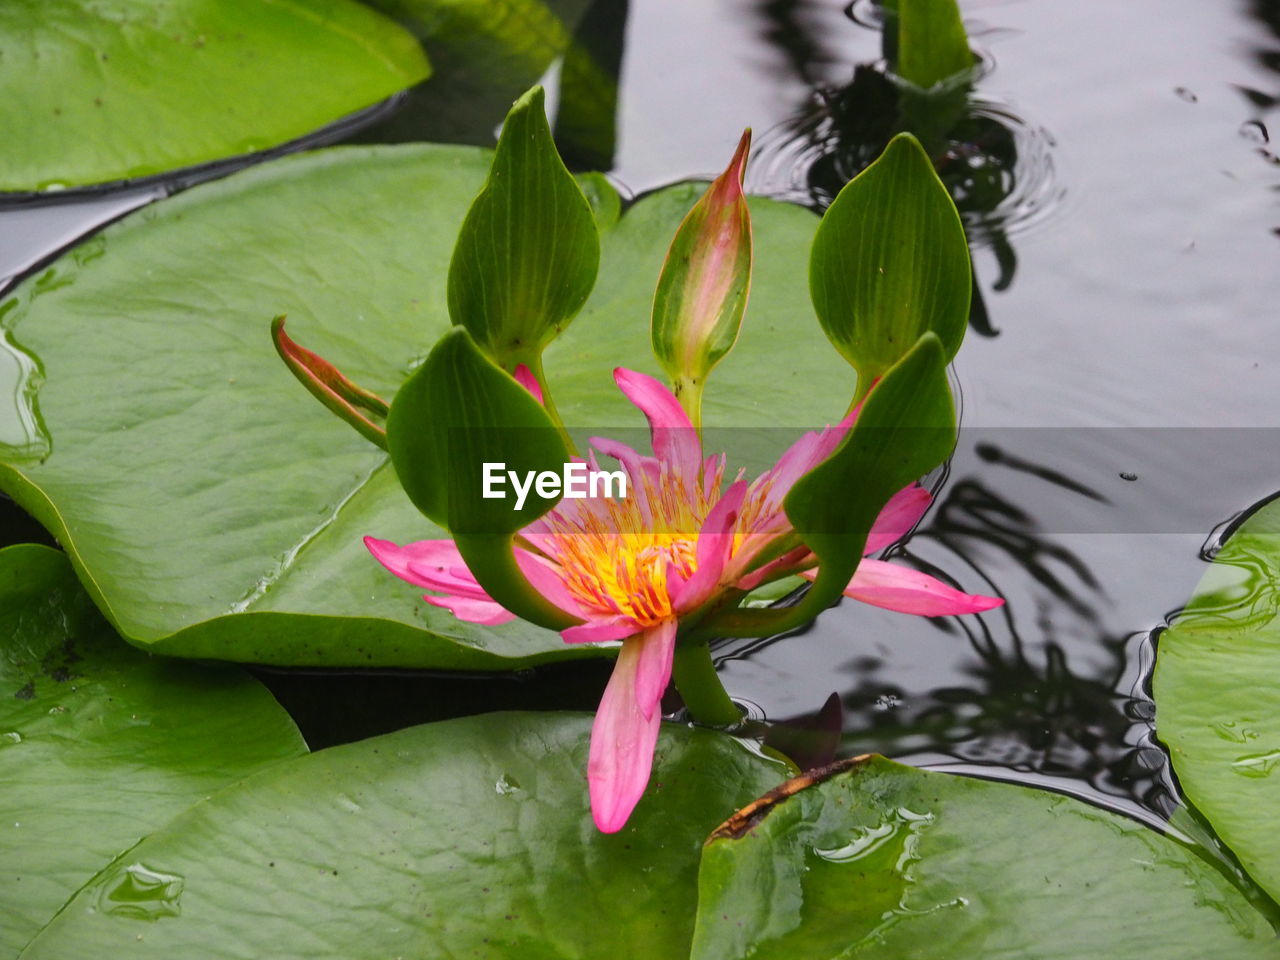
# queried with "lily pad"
point(100, 744)
point(118, 89)
point(393, 848)
point(873, 859)
point(484, 55)
point(1217, 692)
point(212, 507)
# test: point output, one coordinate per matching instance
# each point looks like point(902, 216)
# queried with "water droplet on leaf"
point(142, 893)
point(1256, 764)
point(506, 785)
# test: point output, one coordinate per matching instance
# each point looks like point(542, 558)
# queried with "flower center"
point(617, 555)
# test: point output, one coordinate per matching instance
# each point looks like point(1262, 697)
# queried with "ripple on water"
point(999, 168)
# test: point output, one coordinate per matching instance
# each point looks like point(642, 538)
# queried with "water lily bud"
point(702, 290)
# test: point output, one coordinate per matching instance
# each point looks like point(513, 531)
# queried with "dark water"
point(1121, 382)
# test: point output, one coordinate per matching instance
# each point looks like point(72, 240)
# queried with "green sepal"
point(890, 262)
point(361, 408)
point(456, 413)
point(906, 428)
point(529, 249)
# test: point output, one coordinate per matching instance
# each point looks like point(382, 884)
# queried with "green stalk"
point(703, 693)
point(534, 363)
point(689, 392)
point(865, 383)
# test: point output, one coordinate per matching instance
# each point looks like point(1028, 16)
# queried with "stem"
point(535, 366)
point(703, 693)
point(689, 392)
point(865, 383)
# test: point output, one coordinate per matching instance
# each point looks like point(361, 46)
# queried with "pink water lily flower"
point(630, 568)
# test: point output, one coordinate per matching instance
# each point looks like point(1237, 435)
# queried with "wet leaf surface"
point(465, 838)
point(878, 860)
point(1217, 692)
point(80, 102)
point(99, 743)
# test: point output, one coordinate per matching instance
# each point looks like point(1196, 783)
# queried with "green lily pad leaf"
point(890, 262)
point(117, 89)
point(1217, 692)
point(484, 55)
point(932, 44)
point(391, 847)
point(212, 507)
point(876, 859)
point(100, 744)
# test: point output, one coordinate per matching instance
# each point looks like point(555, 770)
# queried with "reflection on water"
point(1053, 688)
point(998, 168)
point(1266, 53)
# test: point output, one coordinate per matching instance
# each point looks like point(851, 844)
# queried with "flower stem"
point(703, 693)
point(534, 363)
point(689, 393)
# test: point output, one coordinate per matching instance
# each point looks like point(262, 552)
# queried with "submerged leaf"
point(932, 44)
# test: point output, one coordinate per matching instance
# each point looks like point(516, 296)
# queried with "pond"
point(1119, 387)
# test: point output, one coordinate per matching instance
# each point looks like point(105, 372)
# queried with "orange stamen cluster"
point(615, 554)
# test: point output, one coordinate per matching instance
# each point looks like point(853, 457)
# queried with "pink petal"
point(637, 466)
point(675, 441)
point(905, 590)
point(524, 376)
point(654, 671)
point(625, 730)
point(600, 631)
point(473, 611)
point(900, 514)
point(545, 577)
point(805, 454)
point(715, 543)
point(712, 471)
point(434, 564)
